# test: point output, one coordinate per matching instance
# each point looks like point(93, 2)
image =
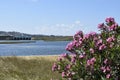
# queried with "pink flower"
point(102, 47)
point(101, 25)
point(65, 55)
point(93, 34)
point(110, 39)
point(69, 74)
point(113, 37)
point(105, 61)
point(73, 44)
point(91, 61)
point(54, 67)
point(95, 39)
point(68, 66)
point(108, 68)
point(111, 45)
point(78, 35)
point(88, 62)
point(80, 43)
point(91, 50)
point(70, 46)
point(99, 42)
point(63, 74)
point(81, 56)
point(86, 36)
point(60, 58)
point(80, 39)
point(103, 69)
point(110, 20)
point(108, 76)
point(73, 60)
point(77, 43)
point(113, 27)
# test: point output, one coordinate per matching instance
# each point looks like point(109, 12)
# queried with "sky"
point(56, 17)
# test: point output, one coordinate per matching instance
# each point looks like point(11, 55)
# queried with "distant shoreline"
point(16, 41)
point(24, 36)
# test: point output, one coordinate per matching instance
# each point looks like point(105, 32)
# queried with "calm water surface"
point(37, 48)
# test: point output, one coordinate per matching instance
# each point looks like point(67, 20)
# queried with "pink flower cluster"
point(112, 25)
point(54, 67)
point(91, 53)
point(110, 20)
point(91, 61)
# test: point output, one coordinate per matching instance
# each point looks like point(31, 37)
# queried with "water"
point(37, 48)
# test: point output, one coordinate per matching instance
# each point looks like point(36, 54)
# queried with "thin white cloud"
point(77, 22)
point(59, 29)
point(54, 29)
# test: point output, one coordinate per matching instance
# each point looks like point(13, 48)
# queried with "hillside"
point(37, 36)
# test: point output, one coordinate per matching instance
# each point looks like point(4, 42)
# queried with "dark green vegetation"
point(52, 38)
point(18, 68)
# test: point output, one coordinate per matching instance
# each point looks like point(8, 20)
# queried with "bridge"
point(22, 38)
point(11, 37)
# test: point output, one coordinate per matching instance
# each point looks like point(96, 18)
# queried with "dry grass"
point(49, 58)
point(27, 68)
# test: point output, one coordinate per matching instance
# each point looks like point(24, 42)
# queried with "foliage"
point(93, 56)
point(52, 38)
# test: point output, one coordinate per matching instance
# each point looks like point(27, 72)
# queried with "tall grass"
point(22, 68)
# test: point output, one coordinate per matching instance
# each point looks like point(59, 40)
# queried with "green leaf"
point(103, 78)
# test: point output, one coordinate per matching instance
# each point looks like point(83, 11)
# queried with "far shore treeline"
point(52, 38)
point(37, 36)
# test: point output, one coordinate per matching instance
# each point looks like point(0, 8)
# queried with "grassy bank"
point(52, 38)
point(27, 68)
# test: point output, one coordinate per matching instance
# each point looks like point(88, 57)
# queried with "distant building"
point(14, 36)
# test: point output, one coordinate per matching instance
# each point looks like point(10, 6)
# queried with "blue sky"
point(56, 17)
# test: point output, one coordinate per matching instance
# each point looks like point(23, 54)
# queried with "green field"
point(28, 68)
point(52, 38)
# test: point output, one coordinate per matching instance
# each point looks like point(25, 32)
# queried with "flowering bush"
point(92, 56)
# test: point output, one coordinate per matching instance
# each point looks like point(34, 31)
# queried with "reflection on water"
point(38, 48)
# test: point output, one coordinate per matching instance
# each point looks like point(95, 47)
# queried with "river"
point(35, 48)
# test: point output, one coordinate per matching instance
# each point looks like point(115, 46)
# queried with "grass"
point(53, 38)
point(28, 68)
